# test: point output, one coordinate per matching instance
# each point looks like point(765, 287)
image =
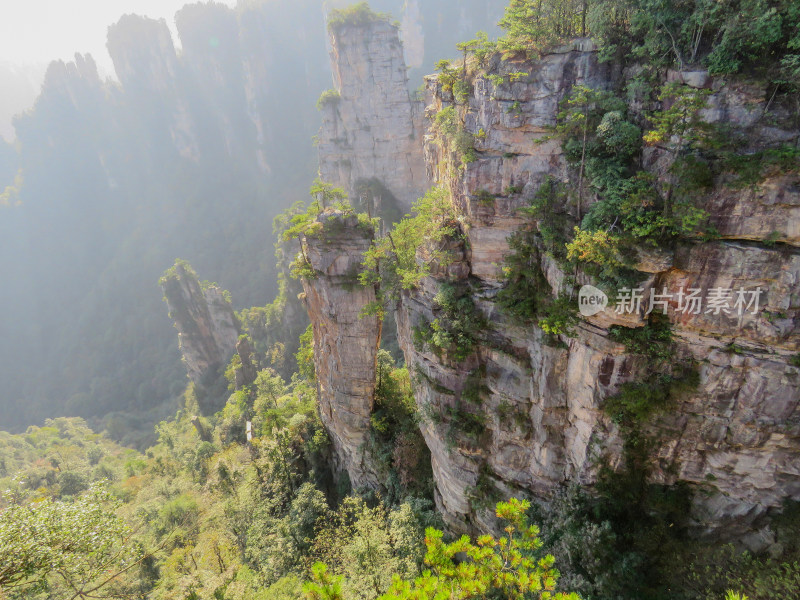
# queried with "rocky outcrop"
point(246, 371)
point(345, 342)
point(540, 403)
point(148, 67)
point(523, 413)
point(143, 54)
point(212, 53)
point(203, 316)
point(733, 438)
point(371, 130)
point(769, 211)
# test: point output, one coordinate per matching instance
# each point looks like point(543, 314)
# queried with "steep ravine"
point(734, 439)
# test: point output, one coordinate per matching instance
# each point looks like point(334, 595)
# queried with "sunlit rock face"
point(345, 342)
point(734, 439)
point(207, 328)
point(373, 130)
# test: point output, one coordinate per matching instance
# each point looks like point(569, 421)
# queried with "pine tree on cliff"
point(533, 26)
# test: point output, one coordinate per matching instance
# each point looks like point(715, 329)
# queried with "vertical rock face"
point(205, 322)
point(734, 439)
point(413, 35)
point(143, 53)
point(539, 402)
point(147, 65)
point(217, 99)
point(373, 129)
point(277, 75)
point(246, 371)
point(212, 53)
point(345, 343)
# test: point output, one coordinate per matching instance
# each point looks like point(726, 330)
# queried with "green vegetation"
point(455, 330)
point(533, 26)
point(633, 208)
point(506, 566)
point(525, 288)
point(175, 272)
point(484, 494)
point(328, 98)
point(301, 222)
point(654, 340)
point(391, 262)
point(668, 378)
point(448, 75)
point(559, 316)
point(273, 331)
point(620, 206)
point(206, 514)
point(526, 295)
point(234, 521)
point(636, 402)
point(355, 15)
point(626, 541)
point(466, 425)
point(484, 198)
point(61, 548)
point(454, 138)
point(481, 47)
point(725, 37)
point(748, 170)
point(395, 442)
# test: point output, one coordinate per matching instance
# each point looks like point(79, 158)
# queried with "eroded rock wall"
point(345, 343)
point(734, 439)
point(373, 130)
point(207, 327)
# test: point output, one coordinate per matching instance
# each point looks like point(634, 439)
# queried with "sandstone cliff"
point(734, 437)
point(345, 342)
point(371, 129)
point(540, 420)
point(207, 328)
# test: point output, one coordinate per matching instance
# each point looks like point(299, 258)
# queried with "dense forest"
point(239, 496)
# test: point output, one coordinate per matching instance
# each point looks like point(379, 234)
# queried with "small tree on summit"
point(533, 26)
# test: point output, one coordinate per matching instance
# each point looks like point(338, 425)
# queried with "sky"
point(38, 31)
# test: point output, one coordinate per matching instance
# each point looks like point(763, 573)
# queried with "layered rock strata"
point(207, 327)
point(734, 439)
point(371, 128)
point(345, 342)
